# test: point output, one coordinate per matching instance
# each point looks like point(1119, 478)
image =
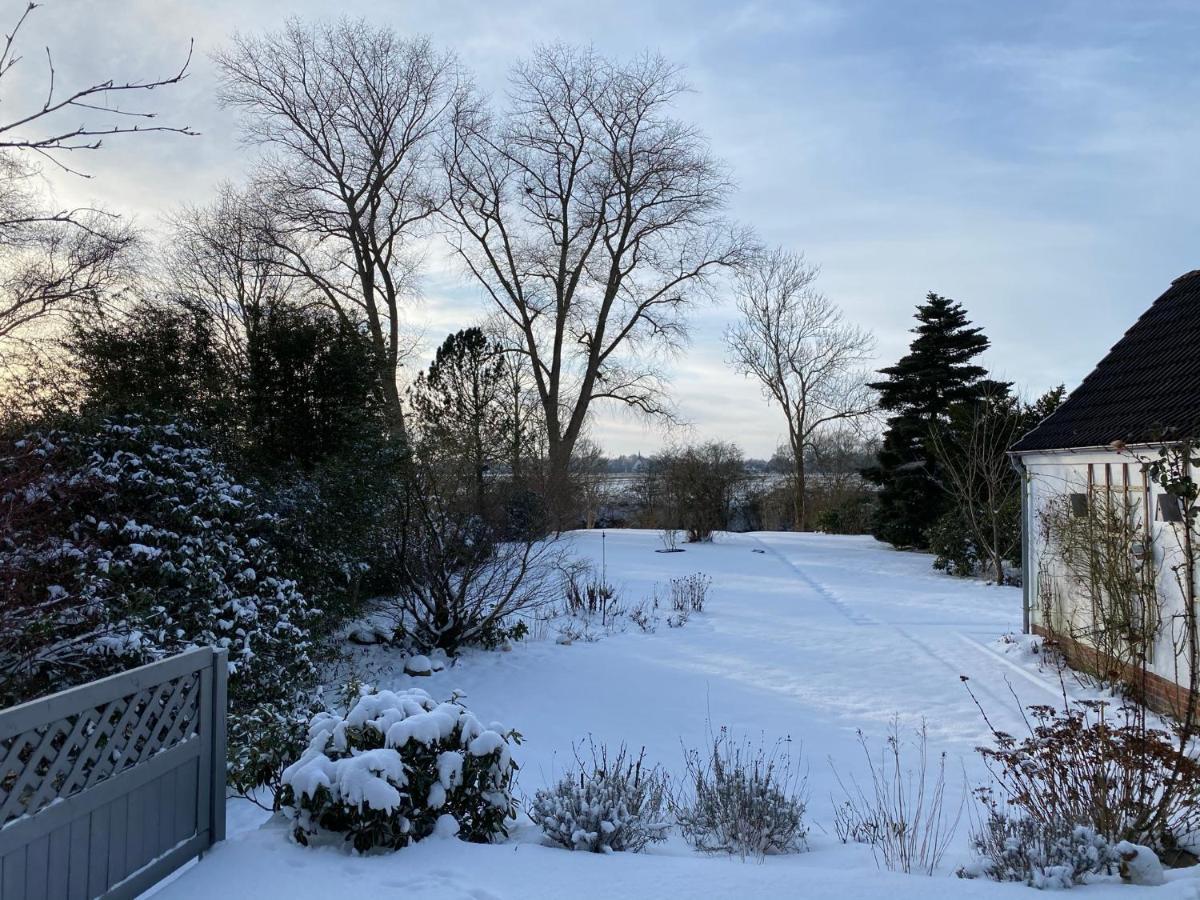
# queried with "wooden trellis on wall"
point(108, 787)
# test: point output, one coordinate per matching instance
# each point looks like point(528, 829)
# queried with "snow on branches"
point(127, 542)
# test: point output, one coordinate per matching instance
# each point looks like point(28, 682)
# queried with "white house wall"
point(1054, 474)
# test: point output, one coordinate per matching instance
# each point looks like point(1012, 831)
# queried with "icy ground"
point(811, 639)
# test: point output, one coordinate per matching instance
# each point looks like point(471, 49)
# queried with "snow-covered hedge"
point(384, 773)
point(606, 805)
point(126, 541)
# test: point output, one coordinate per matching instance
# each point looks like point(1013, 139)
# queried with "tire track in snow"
point(851, 614)
point(942, 654)
point(1056, 690)
point(961, 666)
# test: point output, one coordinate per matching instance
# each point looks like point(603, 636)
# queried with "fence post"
point(220, 709)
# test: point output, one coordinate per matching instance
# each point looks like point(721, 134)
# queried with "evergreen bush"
point(128, 542)
point(387, 771)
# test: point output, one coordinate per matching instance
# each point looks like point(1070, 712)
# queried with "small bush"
point(689, 593)
point(743, 800)
point(462, 578)
point(901, 814)
point(587, 595)
point(950, 541)
point(1039, 854)
point(591, 607)
point(645, 615)
point(1110, 772)
point(384, 773)
point(607, 804)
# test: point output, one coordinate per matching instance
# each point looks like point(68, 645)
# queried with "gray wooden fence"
point(108, 787)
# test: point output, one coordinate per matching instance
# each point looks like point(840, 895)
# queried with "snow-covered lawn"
point(804, 636)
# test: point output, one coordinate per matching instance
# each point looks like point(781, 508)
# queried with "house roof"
point(1146, 387)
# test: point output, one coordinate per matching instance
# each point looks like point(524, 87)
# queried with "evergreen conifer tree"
point(459, 408)
point(919, 392)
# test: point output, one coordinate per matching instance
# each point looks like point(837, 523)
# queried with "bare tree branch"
point(100, 97)
point(347, 116)
point(53, 259)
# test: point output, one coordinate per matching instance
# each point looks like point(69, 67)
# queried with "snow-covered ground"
point(804, 636)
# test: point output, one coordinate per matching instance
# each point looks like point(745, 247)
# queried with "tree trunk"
point(393, 408)
point(799, 501)
point(558, 483)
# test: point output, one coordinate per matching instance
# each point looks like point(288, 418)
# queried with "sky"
point(1035, 160)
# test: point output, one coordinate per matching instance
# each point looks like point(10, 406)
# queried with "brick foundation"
point(1160, 694)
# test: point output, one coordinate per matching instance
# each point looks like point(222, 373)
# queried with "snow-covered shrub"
point(901, 812)
point(1110, 771)
point(743, 799)
point(678, 619)
point(263, 740)
point(645, 615)
point(1040, 854)
point(588, 595)
point(689, 592)
point(385, 772)
point(605, 805)
point(126, 541)
point(590, 607)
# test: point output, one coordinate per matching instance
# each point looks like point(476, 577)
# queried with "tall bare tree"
point(51, 257)
point(347, 115)
point(590, 216)
point(803, 353)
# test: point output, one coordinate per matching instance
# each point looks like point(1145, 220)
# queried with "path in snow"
point(811, 640)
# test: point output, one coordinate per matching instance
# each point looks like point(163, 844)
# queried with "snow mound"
point(1139, 865)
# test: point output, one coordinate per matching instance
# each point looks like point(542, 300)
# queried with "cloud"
point(1034, 161)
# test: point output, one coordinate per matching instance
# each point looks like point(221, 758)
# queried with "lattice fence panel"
point(78, 751)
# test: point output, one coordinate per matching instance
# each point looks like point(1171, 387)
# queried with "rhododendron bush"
point(397, 766)
point(125, 542)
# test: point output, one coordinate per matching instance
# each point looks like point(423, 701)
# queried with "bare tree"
point(590, 217)
point(347, 115)
point(973, 467)
point(51, 257)
point(806, 357)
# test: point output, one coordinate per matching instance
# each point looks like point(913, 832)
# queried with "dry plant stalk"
point(902, 812)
